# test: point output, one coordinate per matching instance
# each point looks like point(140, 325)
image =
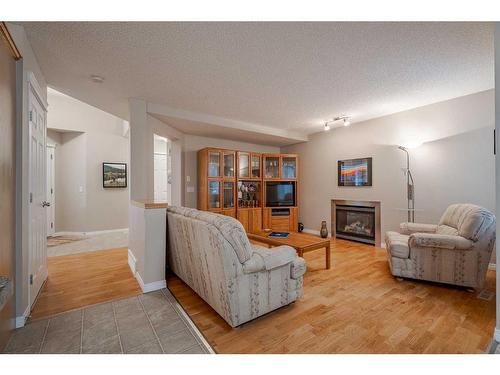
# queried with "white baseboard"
point(132, 262)
point(146, 288)
point(150, 287)
point(496, 335)
point(21, 320)
point(315, 232)
point(492, 266)
point(97, 232)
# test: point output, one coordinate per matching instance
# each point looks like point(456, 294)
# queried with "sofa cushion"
point(469, 220)
point(397, 244)
point(447, 230)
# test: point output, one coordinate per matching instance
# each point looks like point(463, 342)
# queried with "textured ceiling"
point(283, 75)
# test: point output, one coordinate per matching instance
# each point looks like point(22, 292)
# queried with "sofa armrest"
point(442, 241)
point(298, 268)
point(410, 228)
point(263, 259)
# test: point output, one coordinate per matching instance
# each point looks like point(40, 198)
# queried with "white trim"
point(97, 232)
point(492, 266)
point(132, 261)
point(150, 287)
point(37, 90)
point(496, 335)
point(21, 320)
point(34, 91)
point(315, 232)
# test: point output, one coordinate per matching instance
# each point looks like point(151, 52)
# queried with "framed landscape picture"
point(355, 172)
point(114, 175)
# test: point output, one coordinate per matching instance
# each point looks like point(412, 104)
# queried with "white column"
point(141, 152)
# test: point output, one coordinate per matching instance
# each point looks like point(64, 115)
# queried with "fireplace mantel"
point(357, 203)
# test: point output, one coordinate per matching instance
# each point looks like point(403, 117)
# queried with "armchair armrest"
point(263, 259)
point(409, 228)
point(442, 241)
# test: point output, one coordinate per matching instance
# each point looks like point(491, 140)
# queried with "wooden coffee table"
point(301, 242)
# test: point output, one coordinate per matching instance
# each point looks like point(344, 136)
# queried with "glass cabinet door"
point(289, 167)
point(213, 164)
point(243, 165)
point(228, 164)
point(214, 194)
point(255, 170)
point(228, 195)
point(271, 167)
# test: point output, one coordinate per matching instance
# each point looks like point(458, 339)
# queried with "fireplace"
point(356, 221)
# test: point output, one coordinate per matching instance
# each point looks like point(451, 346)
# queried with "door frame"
point(52, 201)
point(33, 91)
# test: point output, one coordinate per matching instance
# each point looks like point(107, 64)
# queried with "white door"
point(37, 196)
point(51, 155)
point(160, 176)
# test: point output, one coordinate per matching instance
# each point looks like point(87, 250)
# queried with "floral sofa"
point(455, 251)
point(212, 254)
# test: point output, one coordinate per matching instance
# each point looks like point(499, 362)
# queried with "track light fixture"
point(345, 119)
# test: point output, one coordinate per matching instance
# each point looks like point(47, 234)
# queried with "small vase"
point(324, 231)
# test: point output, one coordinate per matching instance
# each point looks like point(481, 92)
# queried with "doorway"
point(162, 169)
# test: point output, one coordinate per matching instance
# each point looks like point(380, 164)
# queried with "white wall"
point(89, 137)
point(497, 168)
point(24, 67)
point(192, 144)
point(455, 165)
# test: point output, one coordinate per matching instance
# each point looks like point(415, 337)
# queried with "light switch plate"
point(188, 178)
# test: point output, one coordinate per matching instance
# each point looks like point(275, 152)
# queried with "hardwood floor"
point(357, 306)
point(85, 279)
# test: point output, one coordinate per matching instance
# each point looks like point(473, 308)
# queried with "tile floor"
point(145, 324)
point(91, 242)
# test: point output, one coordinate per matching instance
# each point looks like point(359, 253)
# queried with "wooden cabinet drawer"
point(280, 223)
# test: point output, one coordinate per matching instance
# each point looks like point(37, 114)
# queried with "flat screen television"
point(355, 172)
point(280, 194)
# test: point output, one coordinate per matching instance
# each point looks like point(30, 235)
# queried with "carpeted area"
point(77, 243)
point(150, 323)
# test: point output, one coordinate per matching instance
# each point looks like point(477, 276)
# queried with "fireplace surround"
point(356, 221)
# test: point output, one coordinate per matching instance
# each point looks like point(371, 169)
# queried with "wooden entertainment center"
point(260, 190)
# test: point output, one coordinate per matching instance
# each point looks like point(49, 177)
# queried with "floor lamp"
point(410, 187)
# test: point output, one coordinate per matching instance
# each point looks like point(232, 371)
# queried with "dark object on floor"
point(301, 227)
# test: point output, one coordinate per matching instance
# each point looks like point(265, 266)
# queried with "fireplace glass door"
point(356, 223)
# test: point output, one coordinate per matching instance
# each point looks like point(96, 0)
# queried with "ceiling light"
point(96, 79)
point(344, 118)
